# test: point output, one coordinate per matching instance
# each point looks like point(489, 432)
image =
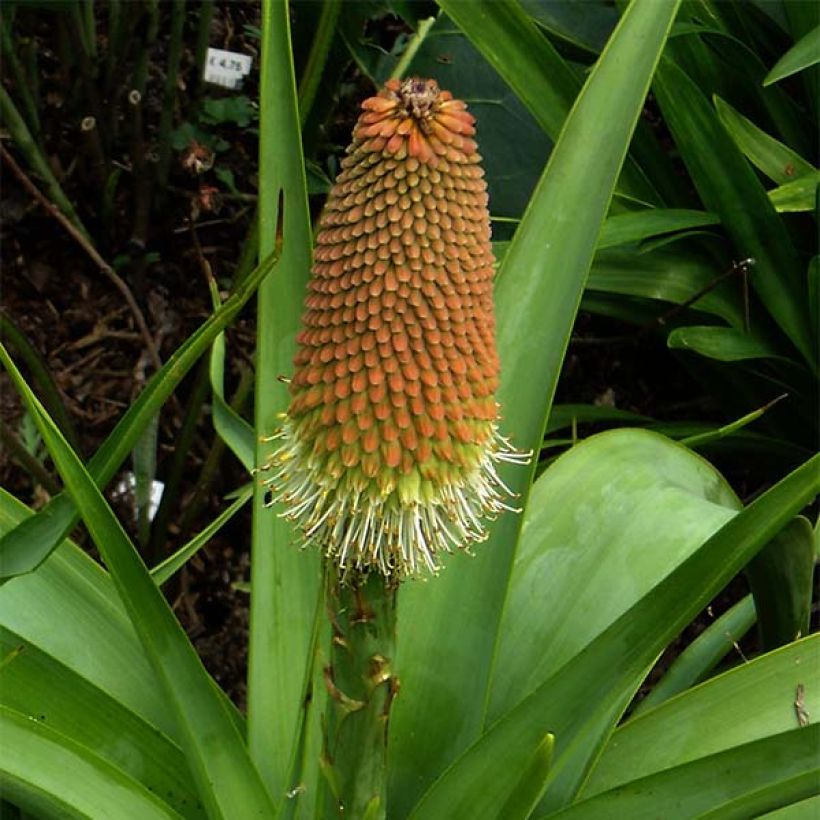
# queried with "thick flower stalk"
point(390, 447)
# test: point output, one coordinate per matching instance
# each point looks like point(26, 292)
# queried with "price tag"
point(226, 68)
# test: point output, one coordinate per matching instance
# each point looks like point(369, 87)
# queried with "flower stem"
point(362, 684)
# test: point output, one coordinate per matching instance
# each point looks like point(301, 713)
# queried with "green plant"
point(517, 665)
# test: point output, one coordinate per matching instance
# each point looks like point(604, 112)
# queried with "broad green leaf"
point(605, 524)
point(24, 548)
point(581, 702)
point(49, 775)
point(807, 809)
point(285, 581)
point(723, 60)
point(622, 229)
point(703, 654)
point(525, 795)
point(583, 23)
point(804, 53)
point(798, 195)
point(446, 673)
point(729, 187)
point(226, 779)
point(533, 69)
point(726, 344)
point(750, 702)
point(70, 588)
point(530, 65)
point(44, 690)
point(781, 579)
point(756, 777)
point(779, 162)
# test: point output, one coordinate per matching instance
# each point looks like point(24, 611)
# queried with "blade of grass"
point(621, 229)
point(798, 195)
point(726, 344)
point(285, 582)
point(227, 781)
point(27, 146)
point(446, 673)
point(30, 543)
point(755, 777)
point(40, 373)
point(781, 578)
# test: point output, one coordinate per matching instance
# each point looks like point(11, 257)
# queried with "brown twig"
point(107, 270)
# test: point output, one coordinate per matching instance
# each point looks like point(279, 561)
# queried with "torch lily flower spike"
point(390, 448)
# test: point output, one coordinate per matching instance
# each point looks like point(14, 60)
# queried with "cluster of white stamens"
point(362, 529)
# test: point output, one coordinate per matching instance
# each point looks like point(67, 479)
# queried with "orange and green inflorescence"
point(390, 448)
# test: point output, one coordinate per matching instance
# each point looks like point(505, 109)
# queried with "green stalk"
point(362, 685)
point(151, 31)
point(203, 36)
point(10, 117)
point(20, 80)
point(317, 58)
point(413, 46)
point(213, 460)
point(169, 96)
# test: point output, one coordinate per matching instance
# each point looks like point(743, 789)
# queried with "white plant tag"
point(226, 68)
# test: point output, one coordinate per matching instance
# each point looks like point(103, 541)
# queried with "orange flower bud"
point(390, 448)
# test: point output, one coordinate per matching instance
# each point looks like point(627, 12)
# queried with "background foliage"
point(653, 167)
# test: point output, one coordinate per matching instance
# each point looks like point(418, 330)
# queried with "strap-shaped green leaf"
point(728, 186)
point(227, 781)
point(581, 702)
point(448, 628)
point(39, 686)
point(739, 783)
point(285, 581)
point(49, 775)
point(25, 547)
point(750, 702)
point(804, 53)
